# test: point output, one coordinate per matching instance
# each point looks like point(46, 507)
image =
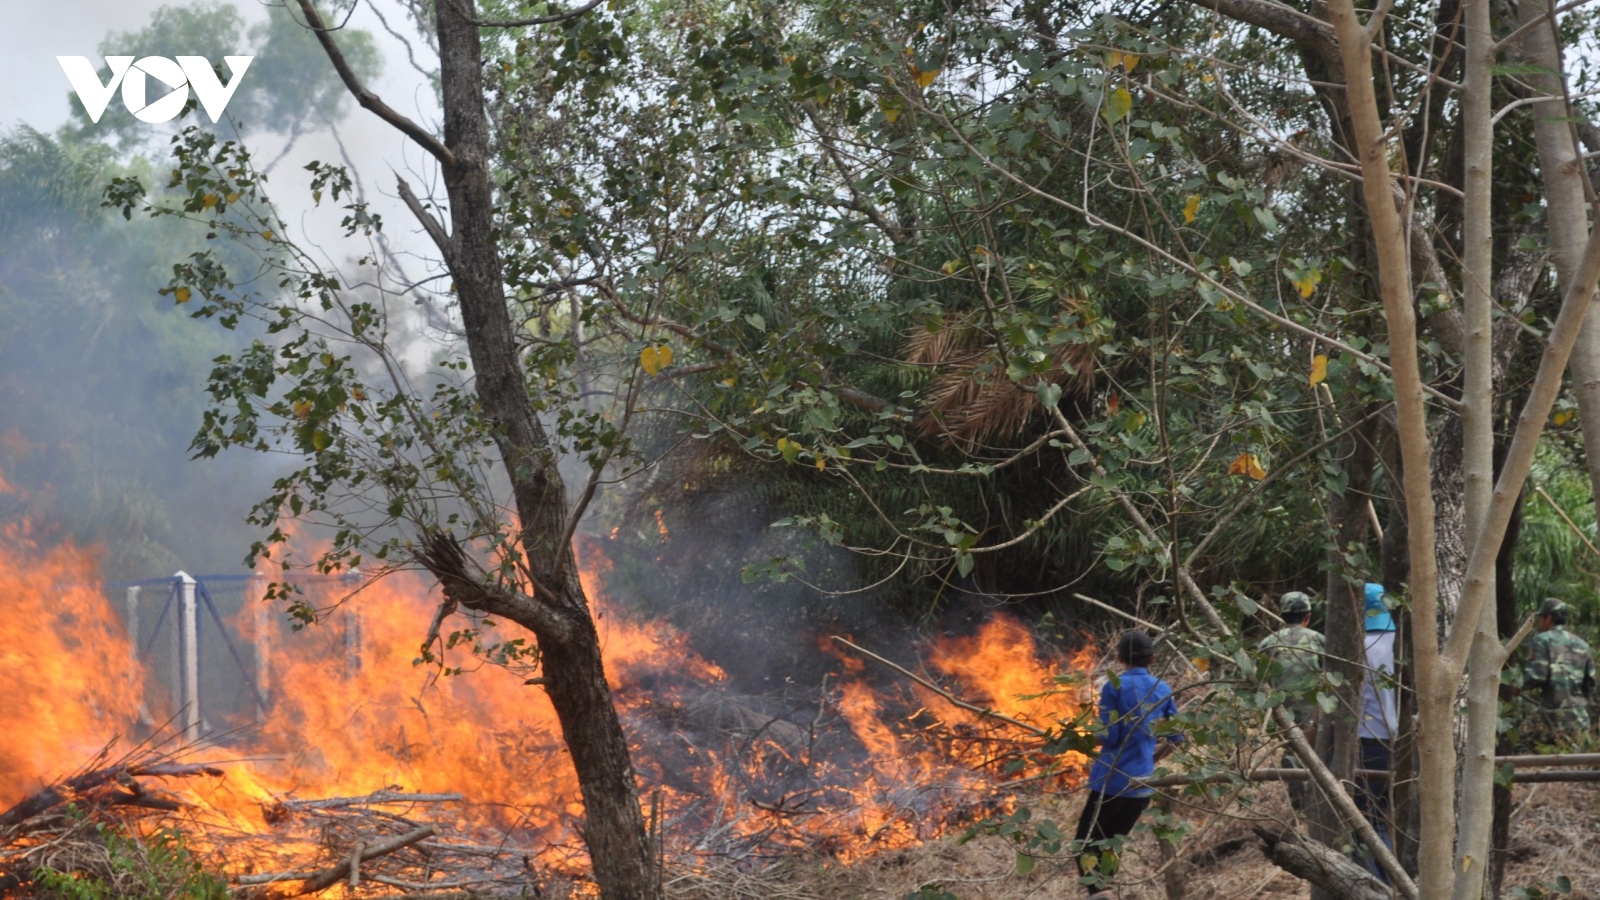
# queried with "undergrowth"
point(106, 862)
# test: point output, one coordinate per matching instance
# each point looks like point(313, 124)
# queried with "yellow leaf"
point(1247, 464)
point(319, 440)
point(1202, 664)
point(654, 359)
point(788, 448)
point(1319, 369)
point(1308, 284)
point(1191, 207)
point(233, 196)
point(1117, 105)
point(890, 108)
point(923, 79)
point(302, 408)
point(267, 234)
point(1562, 417)
point(1121, 58)
point(181, 295)
point(821, 464)
point(208, 201)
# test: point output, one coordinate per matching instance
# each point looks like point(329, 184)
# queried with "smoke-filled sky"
point(104, 423)
point(34, 91)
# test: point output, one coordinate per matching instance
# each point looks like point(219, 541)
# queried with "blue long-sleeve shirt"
point(1130, 706)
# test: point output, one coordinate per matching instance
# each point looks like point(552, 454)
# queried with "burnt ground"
point(1556, 831)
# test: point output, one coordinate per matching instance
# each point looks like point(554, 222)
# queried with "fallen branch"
point(1182, 779)
point(982, 712)
point(312, 882)
point(1321, 865)
point(377, 798)
point(73, 789)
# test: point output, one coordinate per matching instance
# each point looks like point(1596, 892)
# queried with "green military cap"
point(1553, 607)
point(1294, 603)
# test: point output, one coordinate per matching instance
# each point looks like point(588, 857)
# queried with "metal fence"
point(199, 643)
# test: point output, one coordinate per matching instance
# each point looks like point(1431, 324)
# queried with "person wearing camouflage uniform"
point(1559, 677)
point(1295, 651)
point(1296, 654)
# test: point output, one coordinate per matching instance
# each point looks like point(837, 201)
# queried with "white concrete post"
point(190, 657)
point(261, 621)
point(133, 623)
point(133, 648)
point(175, 652)
point(354, 640)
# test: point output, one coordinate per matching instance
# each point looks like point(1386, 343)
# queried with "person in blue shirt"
point(1130, 706)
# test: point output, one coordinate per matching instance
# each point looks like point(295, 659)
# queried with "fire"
point(67, 680)
point(880, 764)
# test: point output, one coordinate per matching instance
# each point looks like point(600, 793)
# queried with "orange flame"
point(349, 712)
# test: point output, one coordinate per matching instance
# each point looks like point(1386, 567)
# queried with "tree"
point(973, 286)
point(330, 415)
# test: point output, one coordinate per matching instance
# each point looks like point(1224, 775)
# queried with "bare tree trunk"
point(1483, 663)
point(1506, 625)
point(1338, 738)
point(1396, 571)
point(571, 663)
point(1565, 189)
point(1434, 692)
point(1450, 516)
point(555, 608)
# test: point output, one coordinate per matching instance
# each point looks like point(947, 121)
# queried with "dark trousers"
point(1372, 797)
point(1105, 818)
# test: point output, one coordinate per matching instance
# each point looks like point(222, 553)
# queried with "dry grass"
point(1556, 832)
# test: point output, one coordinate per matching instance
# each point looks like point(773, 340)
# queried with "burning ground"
point(360, 747)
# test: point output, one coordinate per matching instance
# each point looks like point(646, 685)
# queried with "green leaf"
point(1502, 775)
point(1117, 105)
point(1049, 394)
point(1025, 863)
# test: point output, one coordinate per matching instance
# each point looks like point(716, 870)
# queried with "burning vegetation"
point(363, 768)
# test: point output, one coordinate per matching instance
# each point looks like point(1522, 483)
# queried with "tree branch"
point(441, 554)
point(1280, 19)
point(430, 223)
point(550, 19)
point(824, 136)
point(367, 98)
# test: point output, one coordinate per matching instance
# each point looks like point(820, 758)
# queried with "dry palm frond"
point(973, 401)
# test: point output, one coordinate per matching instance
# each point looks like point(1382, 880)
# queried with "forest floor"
point(1555, 832)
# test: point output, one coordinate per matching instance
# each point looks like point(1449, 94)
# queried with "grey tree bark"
point(554, 607)
point(1330, 872)
point(1338, 740)
point(1566, 185)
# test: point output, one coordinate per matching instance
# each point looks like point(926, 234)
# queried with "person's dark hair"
point(1296, 618)
point(1135, 648)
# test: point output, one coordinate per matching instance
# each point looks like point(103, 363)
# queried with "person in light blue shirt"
point(1131, 704)
point(1379, 720)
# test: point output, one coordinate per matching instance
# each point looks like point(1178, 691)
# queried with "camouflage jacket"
point(1296, 653)
point(1560, 675)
